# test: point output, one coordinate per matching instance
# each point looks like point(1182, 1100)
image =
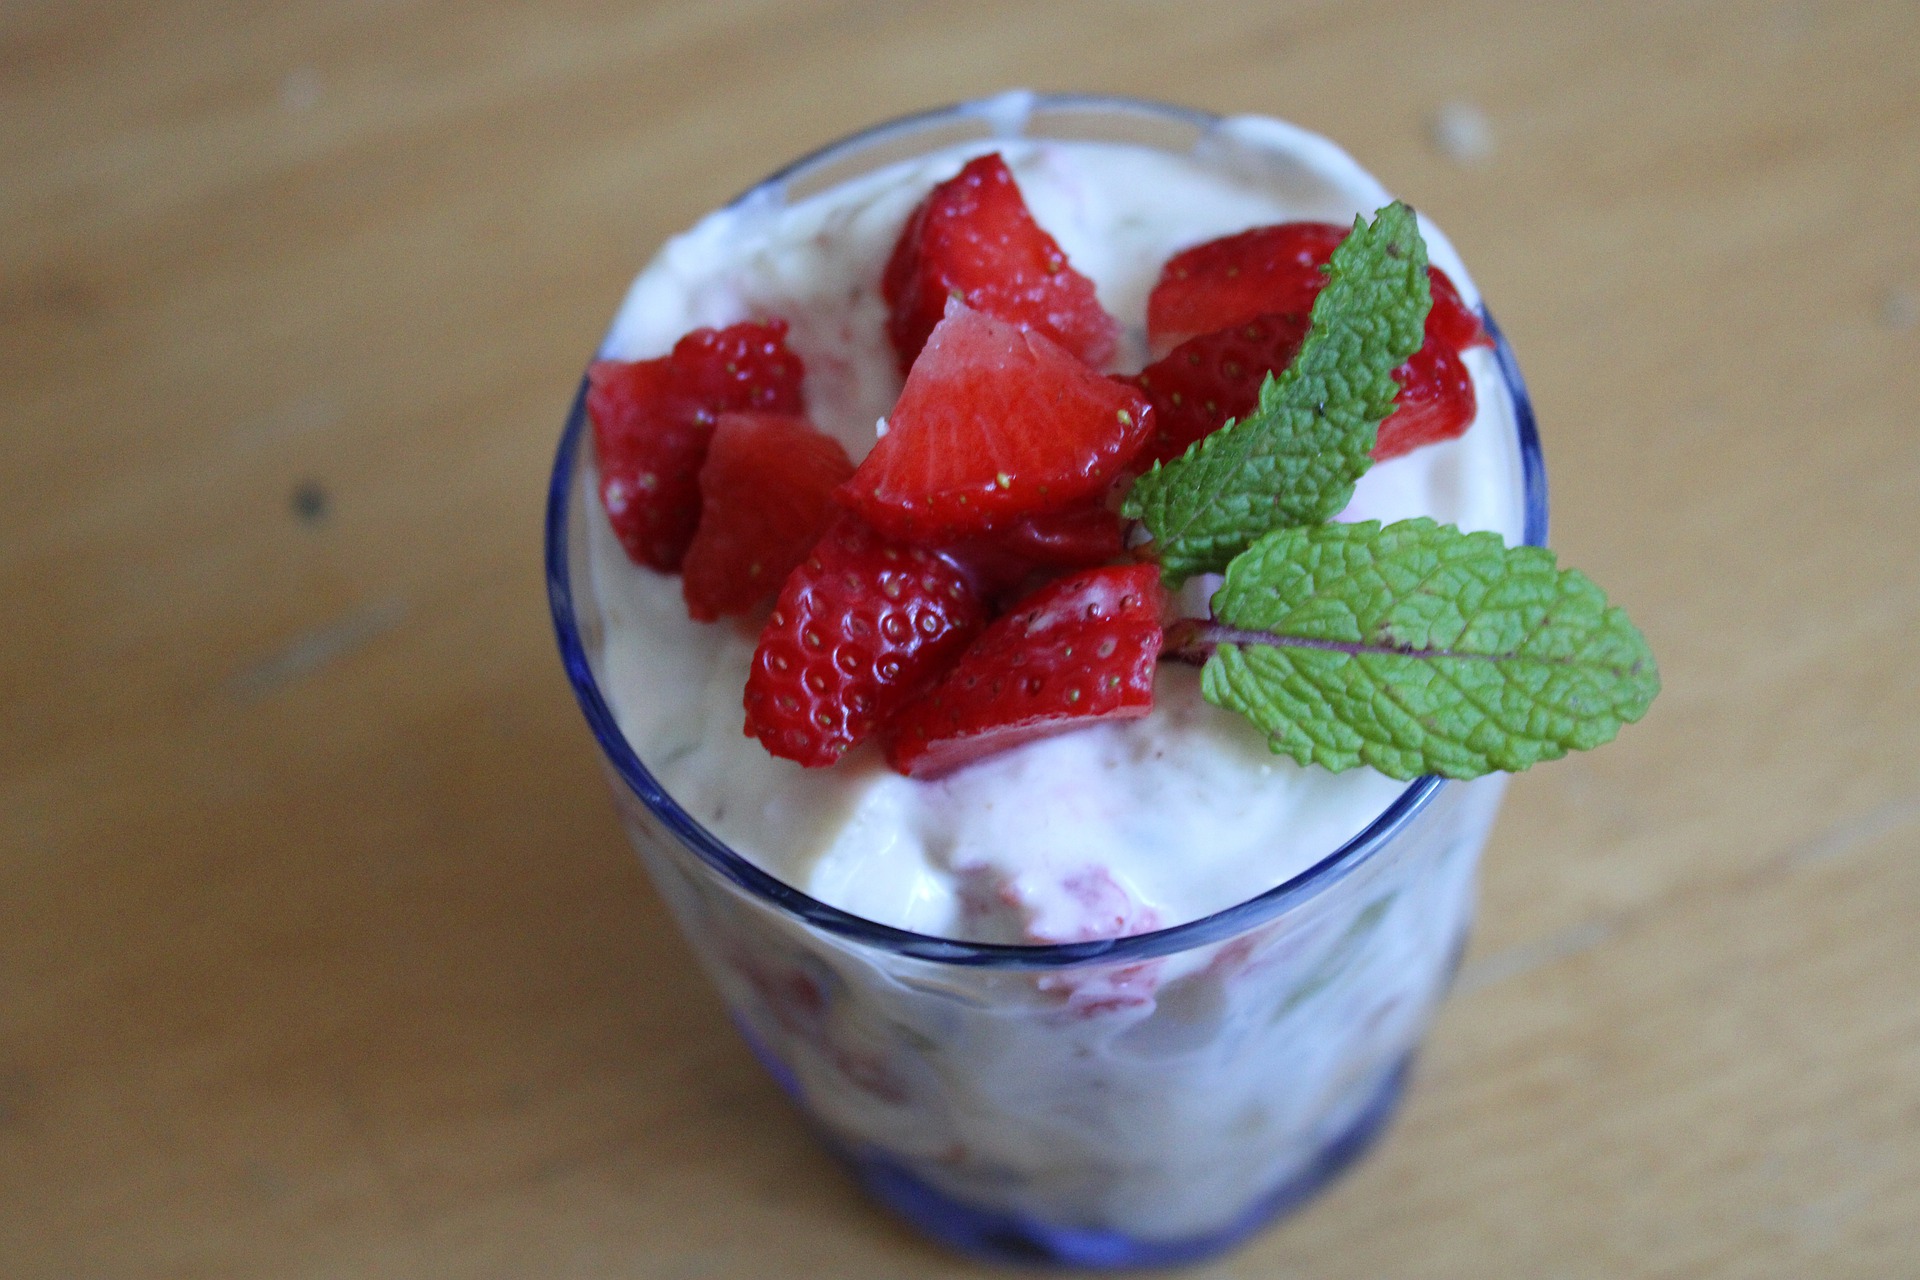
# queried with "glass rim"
point(808, 910)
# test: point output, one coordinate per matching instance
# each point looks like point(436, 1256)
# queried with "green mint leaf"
point(1416, 649)
point(1293, 460)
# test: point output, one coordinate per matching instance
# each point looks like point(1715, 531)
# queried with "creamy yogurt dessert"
point(1110, 799)
point(1101, 1102)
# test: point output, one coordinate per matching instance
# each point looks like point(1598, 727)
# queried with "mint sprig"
point(1294, 459)
point(1417, 648)
point(1413, 648)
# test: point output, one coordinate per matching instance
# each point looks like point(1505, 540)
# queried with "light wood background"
point(320, 952)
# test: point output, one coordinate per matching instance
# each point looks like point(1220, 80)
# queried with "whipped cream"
point(1115, 828)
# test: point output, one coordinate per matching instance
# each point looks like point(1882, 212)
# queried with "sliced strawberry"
point(1451, 322)
point(974, 239)
point(1076, 538)
point(1281, 268)
point(652, 420)
point(862, 625)
point(1076, 652)
point(1436, 402)
point(994, 424)
point(766, 496)
point(1011, 562)
point(1048, 906)
point(1232, 280)
point(1206, 380)
point(1225, 290)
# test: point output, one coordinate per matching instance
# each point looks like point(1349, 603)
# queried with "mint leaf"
point(1417, 648)
point(1294, 459)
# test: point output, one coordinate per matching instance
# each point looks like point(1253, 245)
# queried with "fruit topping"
point(1010, 562)
point(652, 420)
point(994, 424)
point(1435, 403)
point(1076, 538)
point(766, 496)
point(1206, 380)
point(1232, 280)
point(1077, 651)
point(1236, 278)
point(1451, 322)
point(974, 239)
point(1236, 308)
point(861, 626)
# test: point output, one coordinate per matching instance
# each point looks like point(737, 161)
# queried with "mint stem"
point(1193, 641)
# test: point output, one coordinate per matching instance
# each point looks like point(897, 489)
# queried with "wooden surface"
point(320, 952)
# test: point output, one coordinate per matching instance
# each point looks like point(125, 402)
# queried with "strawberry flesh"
point(974, 239)
point(995, 424)
point(1237, 278)
point(1009, 563)
point(1076, 538)
point(1451, 322)
point(766, 496)
point(1207, 381)
point(1236, 309)
point(1078, 651)
point(1234, 279)
point(861, 626)
point(1436, 402)
point(652, 421)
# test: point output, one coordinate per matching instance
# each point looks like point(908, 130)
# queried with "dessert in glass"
point(1110, 997)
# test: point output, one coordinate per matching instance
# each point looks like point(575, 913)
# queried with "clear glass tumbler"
point(1144, 1100)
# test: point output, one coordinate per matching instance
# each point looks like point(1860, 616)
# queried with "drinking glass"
point(1133, 1101)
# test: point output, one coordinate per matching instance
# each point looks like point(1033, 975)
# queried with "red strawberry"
point(1451, 322)
point(1435, 403)
point(1045, 906)
point(861, 626)
point(1077, 651)
point(766, 495)
point(1076, 538)
point(1207, 380)
point(994, 424)
point(652, 420)
point(1012, 561)
point(974, 239)
point(1232, 280)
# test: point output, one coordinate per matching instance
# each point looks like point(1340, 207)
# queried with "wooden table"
point(320, 951)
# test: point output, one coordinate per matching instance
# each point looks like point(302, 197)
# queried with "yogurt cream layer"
point(1115, 828)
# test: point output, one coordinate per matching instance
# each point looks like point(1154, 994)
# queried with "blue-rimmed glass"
point(894, 1042)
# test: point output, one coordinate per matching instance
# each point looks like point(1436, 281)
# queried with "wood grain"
point(320, 951)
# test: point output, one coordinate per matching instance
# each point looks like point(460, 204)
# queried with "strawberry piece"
point(994, 424)
point(1226, 290)
point(1234, 279)
point(861, 626)
point(1209, 379)
point(652, 420)
point(1078, 651)
point(766, 496)
point(1046, 906)
point(974, 239)
point(1076, 538)
point(1451, 322)
point(1007, 564)
point(1436, 402)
